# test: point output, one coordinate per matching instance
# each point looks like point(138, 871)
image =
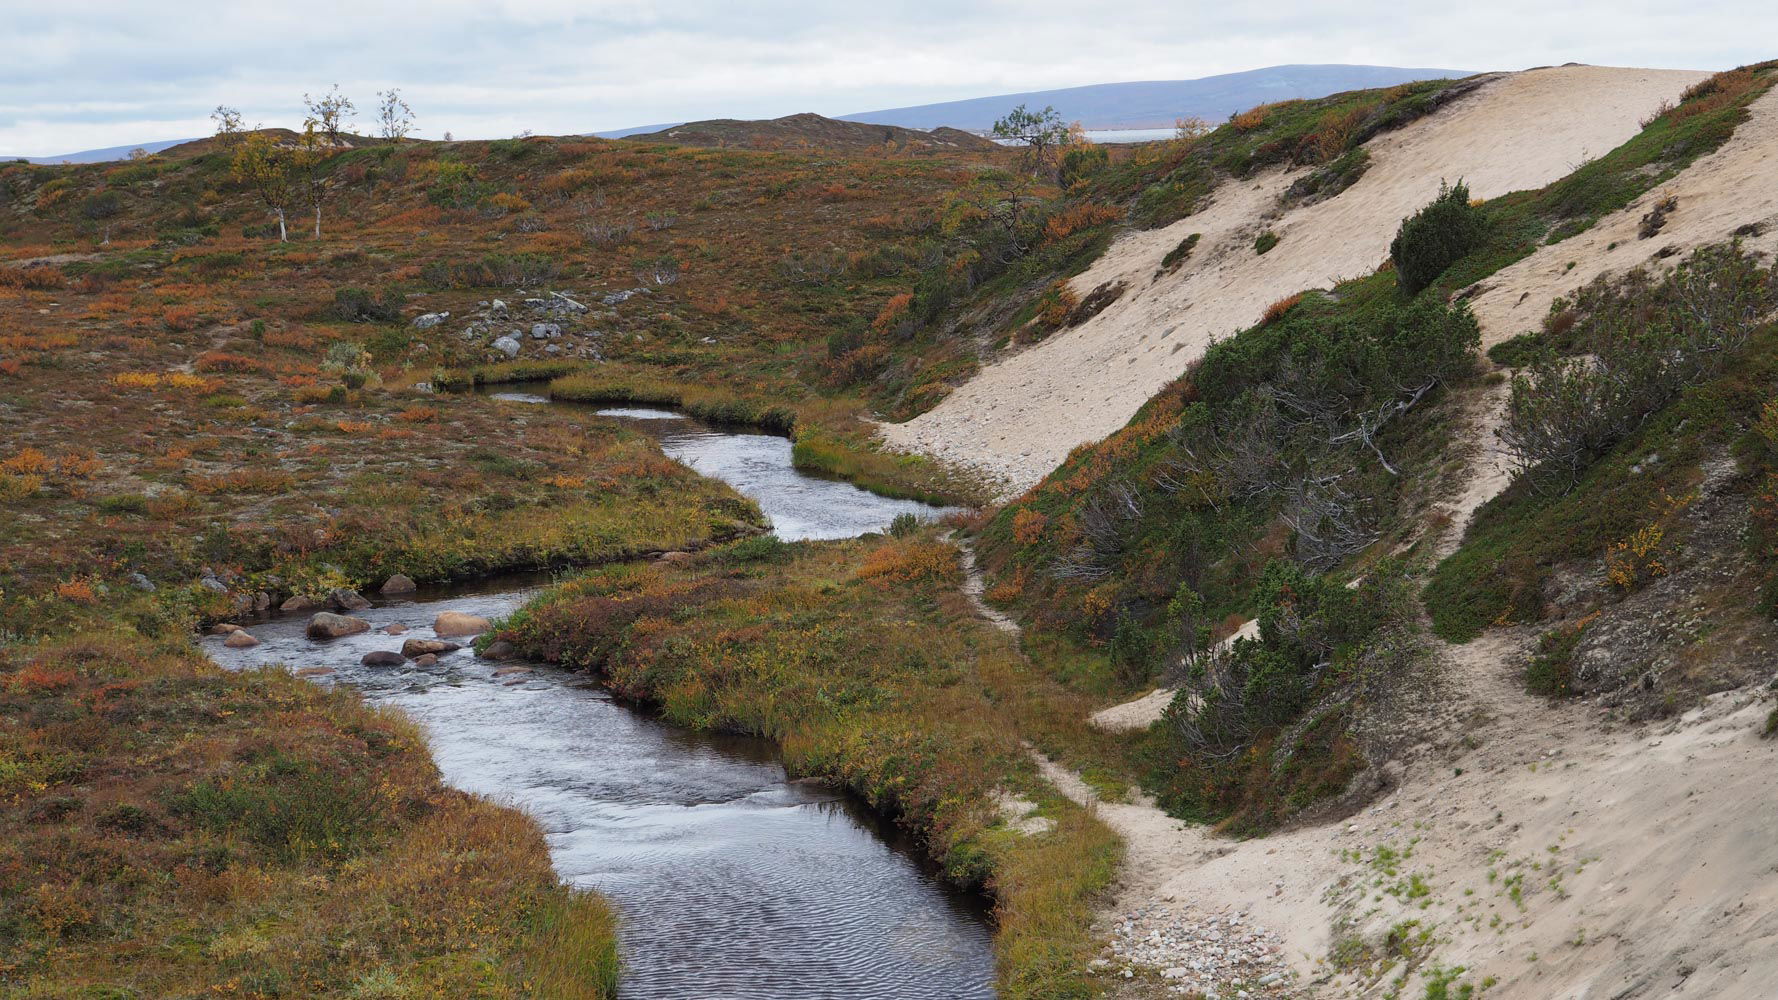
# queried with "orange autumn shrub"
point(77, 590)
point(1276, 310)
point(180, 318)
point(892, 312)
point(1076, 217)
point(1027, 526)
point(908, 562)
point(79, 463)
point(26, 461)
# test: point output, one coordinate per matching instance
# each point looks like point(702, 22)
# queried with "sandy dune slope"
point(1020, 417)
point(1733, 189)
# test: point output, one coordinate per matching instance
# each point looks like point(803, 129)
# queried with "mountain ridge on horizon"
point(1158, 103)
point(1129, 104)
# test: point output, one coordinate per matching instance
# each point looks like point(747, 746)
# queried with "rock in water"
point(419, 647)
point(348, 600)
point(458, 623)
point(398, 584)
point(299, 603)
point(395, 628)
point(327, 625)
point(425, 660)
point(499, 649)
point(383, 658)
point(239, 639)
point(224, 628)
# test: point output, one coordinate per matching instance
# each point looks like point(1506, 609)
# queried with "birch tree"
point(394, 118)
point(308, 162)
point(332, 112)
point(260, 165)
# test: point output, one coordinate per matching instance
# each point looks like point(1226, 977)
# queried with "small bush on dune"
point(1436, 237)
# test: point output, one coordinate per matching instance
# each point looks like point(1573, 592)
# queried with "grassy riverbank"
point(867, 664)
point(177, 830)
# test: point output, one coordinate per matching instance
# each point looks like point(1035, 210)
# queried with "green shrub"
point(1080, 163)
point(124, 503)
point(903, 525)
point(103, 205)
point(1436, 237)
point(1551, 670)
point(357, 305)
point(287, 805)
point(456, 185)
point(1264, 242)
point(495, 270)
point(1179, 254)
point(1647, 342)
point(1518, 352)
point(756, 549)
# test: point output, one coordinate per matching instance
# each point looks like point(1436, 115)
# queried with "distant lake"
point(1128, 134)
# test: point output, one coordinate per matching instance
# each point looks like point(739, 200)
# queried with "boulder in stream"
point(419, 647)
point(346, 599)
point(456, 623)
point(399, 584)
point(383, 658)
point(327, 625)
point(239, 639)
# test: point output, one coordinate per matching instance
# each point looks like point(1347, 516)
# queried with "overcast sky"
point(77, 74)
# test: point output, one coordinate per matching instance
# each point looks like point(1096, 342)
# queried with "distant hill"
point(1157, 103)
point(812, 130)
point(101, 155)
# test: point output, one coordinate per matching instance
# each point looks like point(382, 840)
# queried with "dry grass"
point(294, 843)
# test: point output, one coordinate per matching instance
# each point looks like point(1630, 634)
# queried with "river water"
point(733, 881)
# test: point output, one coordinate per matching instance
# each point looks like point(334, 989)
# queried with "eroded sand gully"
point(1020, 417)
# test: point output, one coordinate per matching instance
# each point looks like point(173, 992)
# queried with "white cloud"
point(103, 73)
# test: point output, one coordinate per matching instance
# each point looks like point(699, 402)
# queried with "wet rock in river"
point(419, 647)
point(383, 658)
point(299, 603)
point(239, 639)
point(348, 600)
point(458, 623)
point(499, 649)
point(327, 625)
point(398, 584)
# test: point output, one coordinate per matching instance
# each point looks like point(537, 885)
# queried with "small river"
point(733, 881)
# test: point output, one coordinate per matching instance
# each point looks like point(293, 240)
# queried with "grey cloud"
point(105, 73)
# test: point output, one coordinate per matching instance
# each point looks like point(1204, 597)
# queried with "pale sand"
point(1663, 880)
point(1019, 417)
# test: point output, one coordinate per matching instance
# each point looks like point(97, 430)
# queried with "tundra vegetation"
point(200, 398)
